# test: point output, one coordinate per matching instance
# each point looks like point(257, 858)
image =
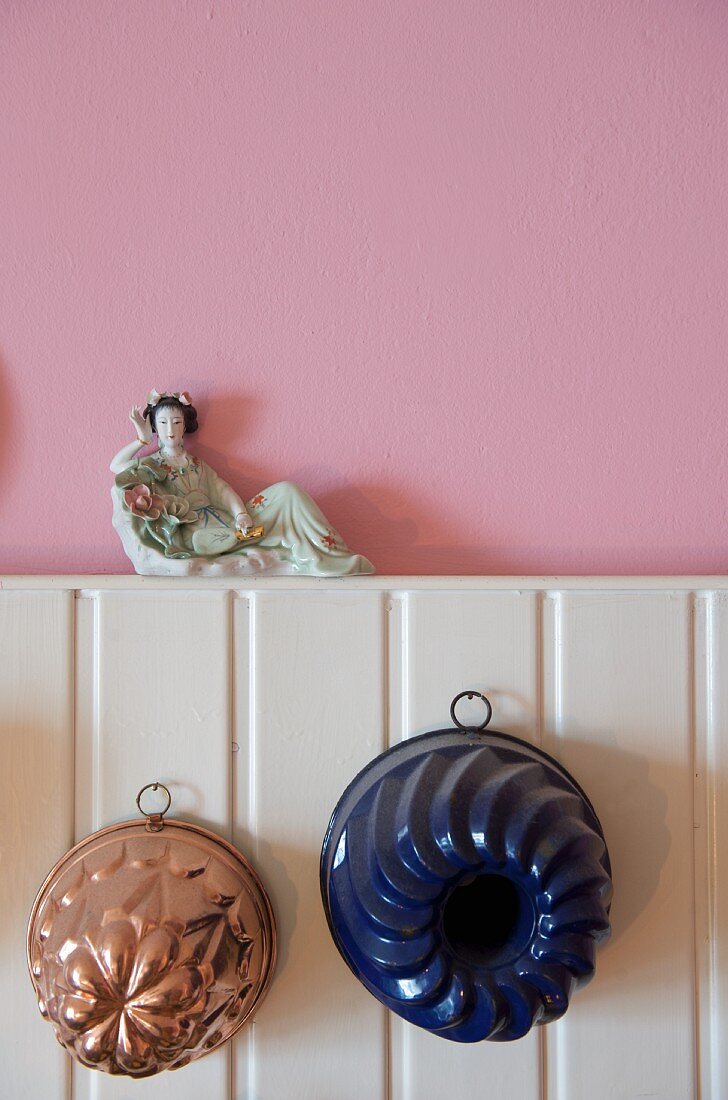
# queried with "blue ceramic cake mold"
point(467, 883)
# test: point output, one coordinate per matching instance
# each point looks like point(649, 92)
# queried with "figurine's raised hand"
point(141, 423)
point(243, 522)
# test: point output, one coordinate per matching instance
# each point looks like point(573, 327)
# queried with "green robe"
point(188, 519)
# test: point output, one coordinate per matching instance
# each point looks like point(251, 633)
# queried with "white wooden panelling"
point(619, 715)
point(258, 706)
point(158, 698)
point(36, 816)
point(447, 643)
point(310, 714)
point(711, 834)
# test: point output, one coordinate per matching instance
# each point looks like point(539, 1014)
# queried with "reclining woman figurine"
point(176, 517)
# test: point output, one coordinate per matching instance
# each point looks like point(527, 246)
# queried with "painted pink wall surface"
point(458, 268)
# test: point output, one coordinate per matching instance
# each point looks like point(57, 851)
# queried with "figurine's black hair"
point(189, 412)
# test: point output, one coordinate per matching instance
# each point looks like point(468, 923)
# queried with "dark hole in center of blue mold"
point(488, 920)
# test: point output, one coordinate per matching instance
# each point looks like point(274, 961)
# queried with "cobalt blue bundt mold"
point(466, 882)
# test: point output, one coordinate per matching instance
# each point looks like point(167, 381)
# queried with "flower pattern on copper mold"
point(130, 1002)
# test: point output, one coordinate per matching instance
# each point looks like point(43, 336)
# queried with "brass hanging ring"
point(158, 814)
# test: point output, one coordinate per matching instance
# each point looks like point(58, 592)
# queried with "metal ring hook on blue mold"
point(471, 695)
point(467, 883)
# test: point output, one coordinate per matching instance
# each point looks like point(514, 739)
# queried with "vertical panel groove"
point(96, 711)
point(694, 756)
point(387, 607)
point(230, 612)
point(397, 1087)
point(399, 697)
point(243, 766)
point(84, 681)
point(73, 662)
point(252, 720)
point(539, 645)
point(71, 676)
point(539, 641)
point(405, 665)
point(552, 721)
point(252, 817)
point(714, 799)
point(710, 778)
point(718, 1076)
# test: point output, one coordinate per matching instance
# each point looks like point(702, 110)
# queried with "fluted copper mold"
point(150, 945)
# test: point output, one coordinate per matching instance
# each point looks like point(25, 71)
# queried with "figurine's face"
point(170, 425)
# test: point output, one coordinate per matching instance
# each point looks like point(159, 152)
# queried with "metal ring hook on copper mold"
point(155, 820)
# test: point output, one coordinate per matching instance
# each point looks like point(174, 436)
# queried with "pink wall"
point(457, 268)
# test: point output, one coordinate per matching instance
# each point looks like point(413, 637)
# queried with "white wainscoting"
point(257, 704)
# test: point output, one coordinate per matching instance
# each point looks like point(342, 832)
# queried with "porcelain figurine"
point(176, 517)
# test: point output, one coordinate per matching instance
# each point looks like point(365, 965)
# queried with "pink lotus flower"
point(142, 502)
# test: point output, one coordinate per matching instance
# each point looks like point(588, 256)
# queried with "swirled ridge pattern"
point(423, 821)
